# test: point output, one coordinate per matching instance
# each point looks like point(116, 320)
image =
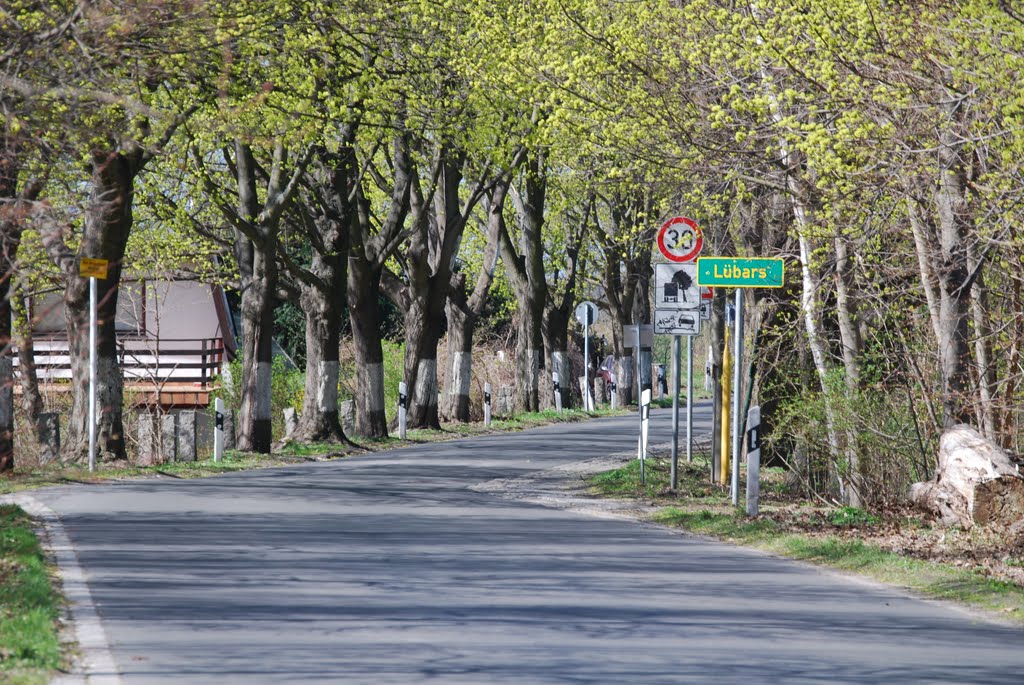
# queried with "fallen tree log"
point(976, 482)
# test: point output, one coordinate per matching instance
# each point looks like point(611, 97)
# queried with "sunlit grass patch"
point(29, 606)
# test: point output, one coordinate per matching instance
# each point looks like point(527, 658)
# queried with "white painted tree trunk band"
point(462, 369)
point(327, 387)
point(425, 392)
point(374, 375)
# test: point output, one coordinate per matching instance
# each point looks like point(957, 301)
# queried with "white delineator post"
point(218, 429)
point(645, 416)
point(753, 459)
point(487, 404)
point(92, 374)
point(403, 401)
point(558, 391)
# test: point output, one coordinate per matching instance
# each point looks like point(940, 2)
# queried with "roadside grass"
point(285, 453)
point(29, 610)
point(693, 481)
point(931, 579)
point(57, 474)
point(701, 507)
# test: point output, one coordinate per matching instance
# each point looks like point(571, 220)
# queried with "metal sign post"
point(753, 459)
point(739, 273)
point(92, 269)
point(737, 385)
point(92, 374)
point(218, 429)
point(679, 306)
point(487, 404)
point(586, 366)
point(403, 402)
point(689, 398)
point(675, 410)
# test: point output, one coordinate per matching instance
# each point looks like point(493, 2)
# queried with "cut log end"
point(975, 483)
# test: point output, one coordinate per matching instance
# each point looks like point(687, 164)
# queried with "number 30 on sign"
point(680, 240)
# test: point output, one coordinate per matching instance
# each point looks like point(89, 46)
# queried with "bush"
point(878, 425)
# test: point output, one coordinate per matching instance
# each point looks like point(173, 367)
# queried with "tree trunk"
point(257, 221)
point(364, 313)
point(1008, 422)
point(327, 218)
point(556, 339)
point(526, 270)
point(105, 236)
point(10, 239)
point(924, 239)
point(846, 315)
point(849, 335)
point(627, 265)
point(258, 303)
point(424, 323)
point(31, 398)
point(323, 309)
point(986, 375)
point(461, 322)
point(15, 208)
point(6, 368)
point(954, 277)
point(804, 208)
point(529, 352)
point(464, 311)
point(255, 252)
point(561, 307)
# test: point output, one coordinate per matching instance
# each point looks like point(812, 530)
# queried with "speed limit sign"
point(680, 239)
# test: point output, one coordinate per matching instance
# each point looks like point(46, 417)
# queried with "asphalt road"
point(388, 568)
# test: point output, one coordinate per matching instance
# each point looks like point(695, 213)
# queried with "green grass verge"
point(931, 579)
point(289, 453)
point(702, 507)
point(693, 480)
point(59, 474)
point(29, 609)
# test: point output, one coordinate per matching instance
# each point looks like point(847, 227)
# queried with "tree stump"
point(348, 417)
point(147, 429)
point(600, 392)
point(291, 421)
point(187, 436)
point(976, 482)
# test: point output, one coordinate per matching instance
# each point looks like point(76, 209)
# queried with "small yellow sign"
point(93, 268)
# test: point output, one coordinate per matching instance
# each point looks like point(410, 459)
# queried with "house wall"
point(180, 309)
point(167, 331)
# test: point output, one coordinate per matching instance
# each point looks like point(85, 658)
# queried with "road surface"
point(392, 568)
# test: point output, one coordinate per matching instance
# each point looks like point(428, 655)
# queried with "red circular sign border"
point(698, 244)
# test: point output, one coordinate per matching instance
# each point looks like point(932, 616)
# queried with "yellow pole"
point(726, 394)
